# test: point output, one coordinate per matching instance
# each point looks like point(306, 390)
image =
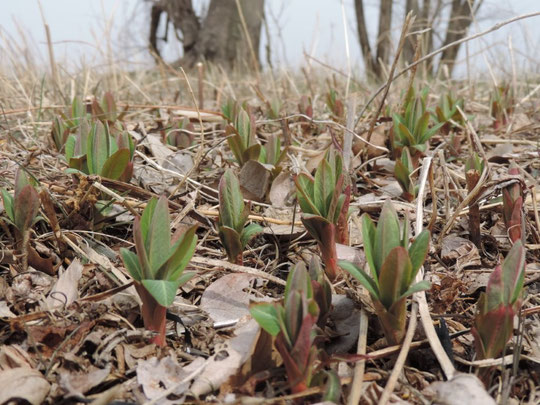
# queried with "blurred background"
point(294, 33)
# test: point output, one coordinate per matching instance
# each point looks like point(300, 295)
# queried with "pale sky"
point(79, 31)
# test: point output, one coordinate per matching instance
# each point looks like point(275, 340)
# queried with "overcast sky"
point(81, 28)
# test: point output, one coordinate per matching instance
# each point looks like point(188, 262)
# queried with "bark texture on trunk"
point(219, 37)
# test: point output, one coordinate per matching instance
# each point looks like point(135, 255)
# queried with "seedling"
point(411, 129)
point(106, 111)
point(324, 200)
point(272, 155)
point(293, 324)
point(93, 150)
point(322, 290)
point(21, 210)
point(244, 144)
point(241, 138)
point(233, 215)
point(403, 171)
point(448, 114)
point(67, 123)
point(393, 264)
point(513, 208)
point(501, 106)
point(474, 167)
point(496, 308)
point(158, 266)
point(335, 105)
point(305, 107)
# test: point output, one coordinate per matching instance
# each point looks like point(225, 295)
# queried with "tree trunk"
point(363, 36)
point(384, 39)
point(220, 37)
point(460, 20)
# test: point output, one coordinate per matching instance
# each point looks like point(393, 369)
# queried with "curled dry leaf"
point(65, 291)
point(255, 179)
point(228, 298)
point(78, 383)
point(460, 250)
point(282, 190)
point(23, 383)
point(462, 389)
point(157, 376)
point(227, 360)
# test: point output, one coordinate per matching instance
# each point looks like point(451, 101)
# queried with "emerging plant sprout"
point(22, 212)
point(324, 201)
point(393, 264)
point(496, 308)
point(158, 265)
point(233, 215)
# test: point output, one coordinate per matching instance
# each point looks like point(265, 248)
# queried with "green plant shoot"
point(393, 265)
point(233, 215)
point(158, 265)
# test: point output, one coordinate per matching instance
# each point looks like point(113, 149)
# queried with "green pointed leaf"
point(132, 264)
point(513, 273)
point(231, 202)
point(402, 176)
point(422, 125)
point(249, 232)
point(418, 252)
point(387, 234)
point(185, 277)
point(163, 291)
point(332, 389)
point(305, 185)
point(8, 204)
point(368, 236)
point(158, 240)
point(116, 164)
point(266, 316)
point(323, 187)
point(362, 277)
point(230, 239)
point(140, 248)
point(98, 148)
point(420, 286)
point(235, 143)
point(392, 279)
point(69, 147)
point(146, 218)
point(183, 251)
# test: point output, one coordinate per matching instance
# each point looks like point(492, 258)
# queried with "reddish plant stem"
point(153, 315)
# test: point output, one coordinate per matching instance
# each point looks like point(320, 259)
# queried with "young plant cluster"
point(241, 137)
point(393, 263)
point(324, 201)
point(158, 264)
point(410, 137)
point(95, 143)
point(233, 215)
point(22, 212)
point(293, 324)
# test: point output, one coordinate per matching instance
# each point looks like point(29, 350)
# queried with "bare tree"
point(219, 37)
point(374, 62)
point(458, 24)
point(428, 16)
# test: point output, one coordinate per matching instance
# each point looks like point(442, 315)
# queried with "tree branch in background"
point(384, 39)
point(363, 35)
